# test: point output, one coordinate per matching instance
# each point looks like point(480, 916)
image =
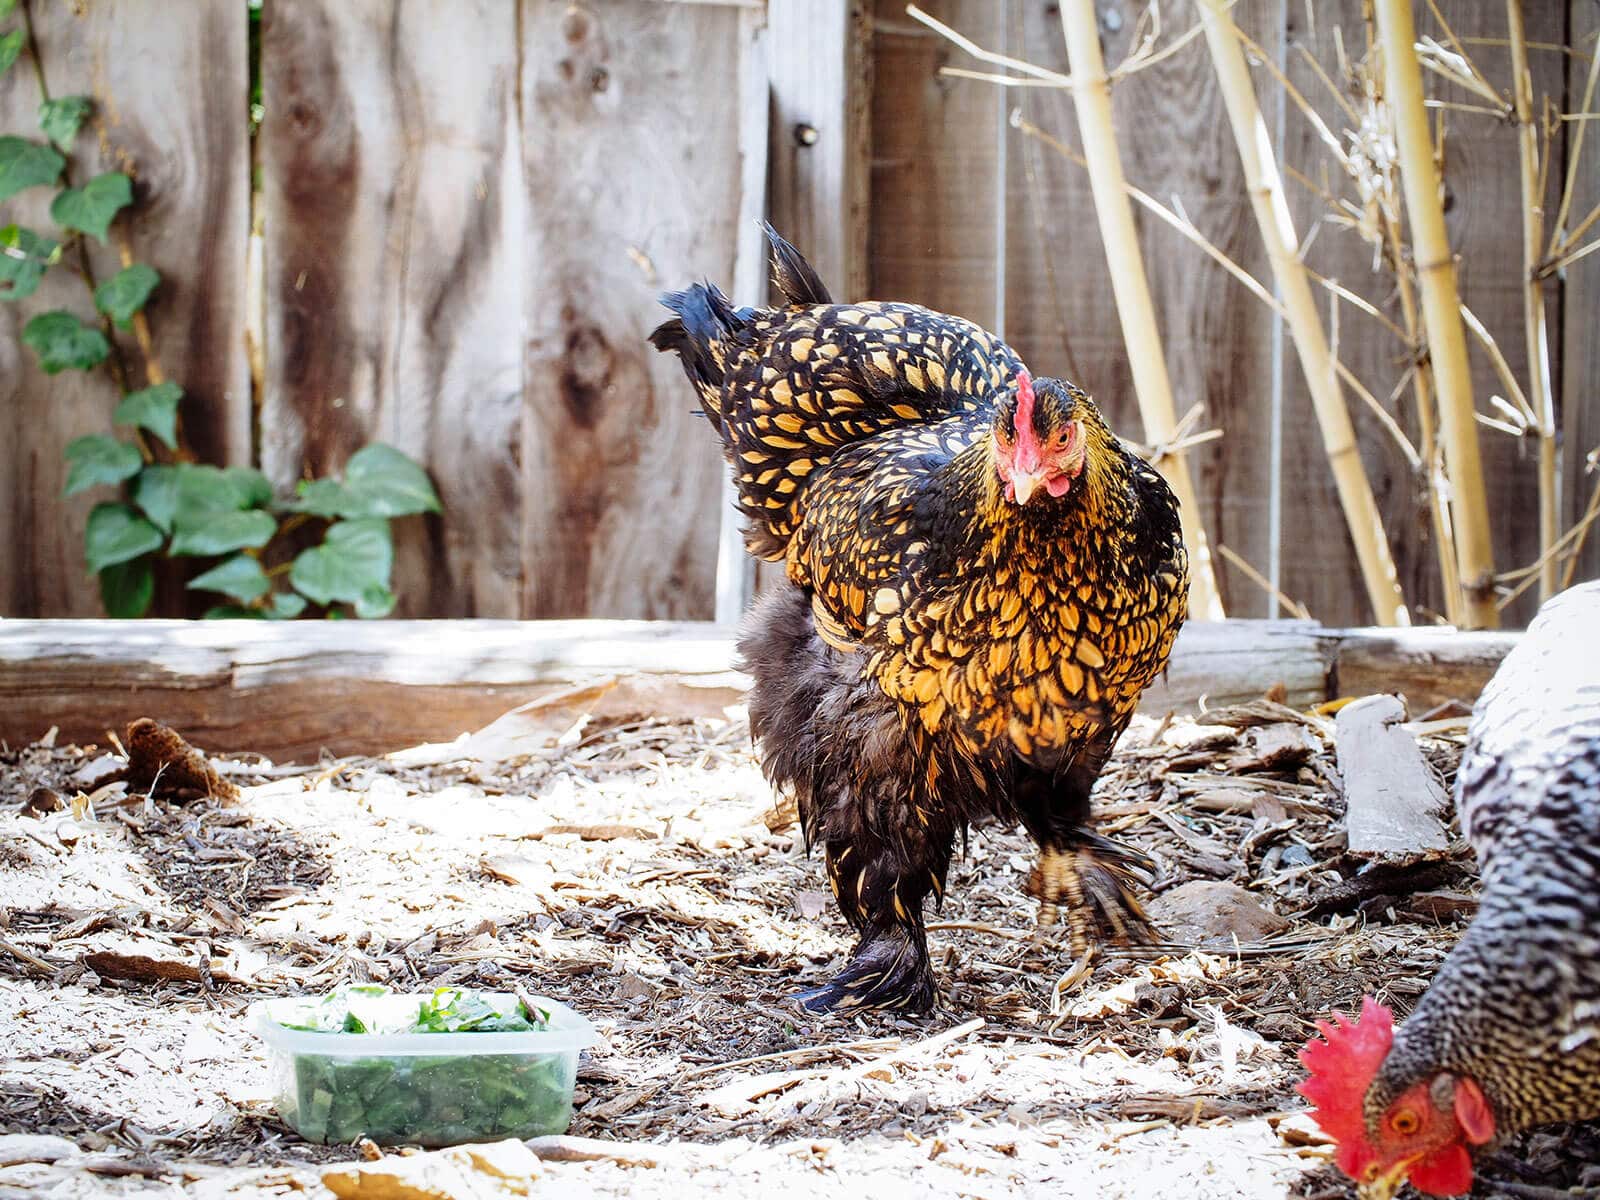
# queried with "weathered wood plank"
point(631, 157)
point(393, 257)
point(815, 100)
point(1428, 666)
point(293, 690)
point(1394, 801)
point(184, 142)
point(936, 179)
point(819, 155)
point(737, 571)
point(1227, 662)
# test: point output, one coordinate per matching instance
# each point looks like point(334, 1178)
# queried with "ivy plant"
point(229, 534)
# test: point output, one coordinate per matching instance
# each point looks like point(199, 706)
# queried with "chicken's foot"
point(889, 969)
point(1096, 881)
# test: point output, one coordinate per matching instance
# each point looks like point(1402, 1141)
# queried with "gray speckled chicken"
point(1508, 1034)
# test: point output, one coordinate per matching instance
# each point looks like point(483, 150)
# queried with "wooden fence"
point(467, 208)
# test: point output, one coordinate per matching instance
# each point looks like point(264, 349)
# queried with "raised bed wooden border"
point(294, 690)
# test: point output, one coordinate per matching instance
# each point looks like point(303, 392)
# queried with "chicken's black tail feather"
point(705, 317)
point(794, 277)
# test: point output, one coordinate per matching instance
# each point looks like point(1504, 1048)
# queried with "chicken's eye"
point(1405, 1122)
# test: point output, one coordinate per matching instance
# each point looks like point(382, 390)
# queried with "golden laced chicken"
point(1507, 1036)
point(981, 582)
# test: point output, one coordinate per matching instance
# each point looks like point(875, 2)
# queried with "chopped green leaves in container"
point(435, 1070)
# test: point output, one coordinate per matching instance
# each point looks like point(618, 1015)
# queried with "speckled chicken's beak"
point(1386, 1185)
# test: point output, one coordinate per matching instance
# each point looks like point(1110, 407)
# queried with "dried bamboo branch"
point(1536, 330)
point(1569, 258)
point(1583, 531)
point(1091, 94)
point(1502, 368)
point(1277, 231)
point(1296, 609)
point(1573, 538)
point(1441, 304)
point(989, 56)
point(1558, 235)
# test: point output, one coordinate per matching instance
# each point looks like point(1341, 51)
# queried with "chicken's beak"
point(1025, 483)
point(1387, 1184)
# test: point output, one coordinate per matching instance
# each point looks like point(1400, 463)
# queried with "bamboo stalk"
point(1441, 302)
point(1091, 93)
point(1540, 391)
point(1433, 474)
point(1277, 231)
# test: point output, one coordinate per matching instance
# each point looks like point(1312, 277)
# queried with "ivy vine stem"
point(85, 270)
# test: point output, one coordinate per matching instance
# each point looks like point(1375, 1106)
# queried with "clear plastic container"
point(428, 1089)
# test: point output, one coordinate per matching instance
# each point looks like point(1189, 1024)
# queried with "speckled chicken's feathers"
point(1516, 1005)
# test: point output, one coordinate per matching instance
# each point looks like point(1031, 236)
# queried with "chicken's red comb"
point(1341, 1066)
point(1024, 399)
point(1028, 449)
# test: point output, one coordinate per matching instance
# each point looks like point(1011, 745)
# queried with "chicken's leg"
point(1093, 877)
point(880, 882)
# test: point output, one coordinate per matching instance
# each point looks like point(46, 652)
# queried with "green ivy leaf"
point(232, 612)
point(188, 492)
point(125, 293)
point(220, 532)
point(98, 459)
point(324, 498)
point(25, 165)
point(355, 556)
point(24, 255)
point(286, 606)
point(62, 118)
point(374, 601)
point(92, 207)
point(156, 493)
point(154, 408)
point(389, 483)
point(6, 6)
point(379, 482)
point(126, 589)
point(61, 341)
point(10, 47)
point(240, 578)
point(249, 486)
point(115, 534)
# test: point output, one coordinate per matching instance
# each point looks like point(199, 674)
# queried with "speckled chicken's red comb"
point(1341, 1066)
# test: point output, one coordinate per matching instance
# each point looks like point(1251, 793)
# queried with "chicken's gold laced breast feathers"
point(988, 633)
